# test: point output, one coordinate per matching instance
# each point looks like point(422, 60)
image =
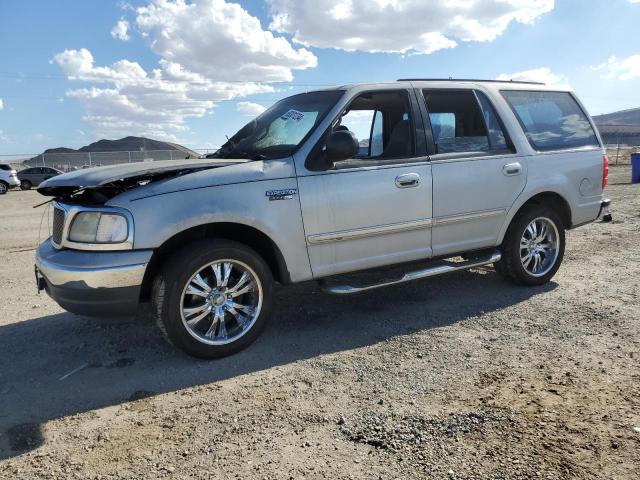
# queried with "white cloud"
point(1, 104)
point(210, 51)
point(621, 68)
point(399, 26)
point(121, 30)
point(543, 75)
point(250, 109)
point(219, 40)
point(138, 103)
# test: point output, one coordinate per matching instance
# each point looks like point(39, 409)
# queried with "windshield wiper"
point(233, 153)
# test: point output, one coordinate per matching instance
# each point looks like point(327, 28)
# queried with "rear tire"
point(213, 298)
point(4, 187)
point(26, 185)
point(533, 247)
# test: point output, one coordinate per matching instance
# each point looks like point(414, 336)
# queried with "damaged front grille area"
point(58, 225)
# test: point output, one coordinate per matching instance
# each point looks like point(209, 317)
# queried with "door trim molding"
point(356, 233)
point(466, 217)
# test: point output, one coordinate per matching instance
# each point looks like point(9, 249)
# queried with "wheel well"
point(555, 201)
point(249, 236)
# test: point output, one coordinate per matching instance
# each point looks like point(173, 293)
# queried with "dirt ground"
point(458, 377)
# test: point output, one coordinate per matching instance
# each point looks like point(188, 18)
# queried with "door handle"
point(408, 180)
point(512, 169)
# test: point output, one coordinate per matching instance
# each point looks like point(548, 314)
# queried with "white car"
point(8, 178)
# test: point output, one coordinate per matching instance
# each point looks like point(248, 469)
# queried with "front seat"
point(399, 142)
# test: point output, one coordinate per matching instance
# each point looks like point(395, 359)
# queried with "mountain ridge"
point(629, 116)
point(125, 144)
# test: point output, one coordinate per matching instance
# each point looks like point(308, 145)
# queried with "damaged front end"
point(96, 186)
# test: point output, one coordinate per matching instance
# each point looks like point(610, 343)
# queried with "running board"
point(417, 275)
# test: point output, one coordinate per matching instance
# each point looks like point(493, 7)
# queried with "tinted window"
point(551, 120)
point(497, 137)
point(457, 121)
point(377, 131)
point(5, 167)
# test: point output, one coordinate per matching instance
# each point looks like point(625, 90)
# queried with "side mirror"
point(341, 145)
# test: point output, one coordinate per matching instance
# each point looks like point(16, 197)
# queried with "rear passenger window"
point(460, 124)
point(551, 120)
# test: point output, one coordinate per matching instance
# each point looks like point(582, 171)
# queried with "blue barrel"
point(635, 167)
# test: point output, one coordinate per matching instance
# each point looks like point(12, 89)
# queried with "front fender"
point(161, 217)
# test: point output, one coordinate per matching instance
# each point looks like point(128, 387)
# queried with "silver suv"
point(325, 183)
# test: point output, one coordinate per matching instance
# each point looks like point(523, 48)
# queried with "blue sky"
point(69, 74)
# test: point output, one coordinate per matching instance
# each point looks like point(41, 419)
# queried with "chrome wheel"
point(539, 247)
point(3, 188)
point(221, 302)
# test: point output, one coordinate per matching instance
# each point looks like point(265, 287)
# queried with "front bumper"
point(92, 283)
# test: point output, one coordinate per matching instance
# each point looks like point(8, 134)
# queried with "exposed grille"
point(58, 225)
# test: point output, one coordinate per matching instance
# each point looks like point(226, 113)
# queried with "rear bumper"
point(13, 182)
point(92, 283)
point(604, 210)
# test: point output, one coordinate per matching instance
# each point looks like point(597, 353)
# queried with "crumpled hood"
point(99, 176)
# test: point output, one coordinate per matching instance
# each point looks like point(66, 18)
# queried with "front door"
point(374, 209)
point(476, 174)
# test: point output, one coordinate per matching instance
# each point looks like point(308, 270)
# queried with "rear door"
point(374, 209)
point(36, 176)
point(48, 173)
point(477, 175)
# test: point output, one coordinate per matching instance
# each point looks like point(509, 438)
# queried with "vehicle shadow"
point(63, 364)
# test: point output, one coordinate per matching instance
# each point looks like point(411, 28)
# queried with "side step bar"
point(408, 277)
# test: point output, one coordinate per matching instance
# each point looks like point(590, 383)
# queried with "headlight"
point(99, 227)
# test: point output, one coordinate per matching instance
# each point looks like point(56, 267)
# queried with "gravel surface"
point(458, 377)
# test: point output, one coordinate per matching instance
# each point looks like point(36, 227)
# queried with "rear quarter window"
point(551, 120)
point(5, 167)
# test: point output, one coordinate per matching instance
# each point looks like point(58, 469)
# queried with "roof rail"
point(465, 80)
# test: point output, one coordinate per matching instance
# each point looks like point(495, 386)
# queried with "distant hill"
point(621, 127)
point(126, 144)
point(623, 117)
point(110, 152)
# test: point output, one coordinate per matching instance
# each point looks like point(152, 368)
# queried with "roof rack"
point(465, 80)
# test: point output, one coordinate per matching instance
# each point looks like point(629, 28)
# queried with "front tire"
point(213, 298)
point(533, 247)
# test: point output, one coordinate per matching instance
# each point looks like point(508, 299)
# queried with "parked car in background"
point(34, 176)
point(326, 183)
point(8, 178)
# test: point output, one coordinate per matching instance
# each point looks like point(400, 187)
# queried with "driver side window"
point(367, 126)
point(382, 124)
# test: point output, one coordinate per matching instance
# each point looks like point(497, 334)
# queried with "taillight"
point(13, 174)
point(605, 171)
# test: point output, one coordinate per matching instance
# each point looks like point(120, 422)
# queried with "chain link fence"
point(69, 161)
point(620, 141)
